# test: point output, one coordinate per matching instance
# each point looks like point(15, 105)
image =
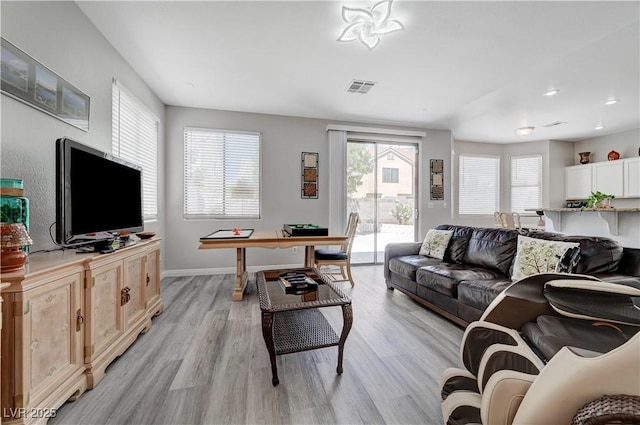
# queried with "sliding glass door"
point(382, 188)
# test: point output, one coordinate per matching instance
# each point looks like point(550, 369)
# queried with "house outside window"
point(222, 174)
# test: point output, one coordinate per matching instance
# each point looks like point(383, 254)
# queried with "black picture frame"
point(27, 80)
point(309, 175)
point(437, 179)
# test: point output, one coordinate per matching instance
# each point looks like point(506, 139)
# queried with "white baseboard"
point(223, 270)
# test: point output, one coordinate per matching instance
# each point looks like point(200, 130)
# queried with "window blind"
point(221, 174)
point(135, 139)
point(479, 185)
point(526, 182)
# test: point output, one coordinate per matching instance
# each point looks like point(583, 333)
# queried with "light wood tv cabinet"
point(66, 317)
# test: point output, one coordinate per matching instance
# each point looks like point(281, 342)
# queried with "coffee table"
point(293, 322)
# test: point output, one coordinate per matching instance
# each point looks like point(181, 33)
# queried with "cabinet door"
point(578, 181)
point(49, 340)
point(607, 177)
point(135, 281)
point(104, 312)
point(152, 290)
point(632, 178)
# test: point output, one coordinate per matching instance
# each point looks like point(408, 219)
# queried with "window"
point(221, 174)
point(478, 185)
point(390, 175)
point(134, 138)
point(526, 182)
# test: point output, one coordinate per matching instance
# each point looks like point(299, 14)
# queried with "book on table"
point(297, 282)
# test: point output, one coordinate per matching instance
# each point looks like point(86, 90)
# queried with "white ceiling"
point(478, 68)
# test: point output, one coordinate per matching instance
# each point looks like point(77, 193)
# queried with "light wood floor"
point(204, 362)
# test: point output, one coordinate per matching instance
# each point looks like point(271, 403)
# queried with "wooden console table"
point(267, 239)
point(66, 317)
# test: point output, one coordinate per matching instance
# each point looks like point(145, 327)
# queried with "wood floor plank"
point(204, 361)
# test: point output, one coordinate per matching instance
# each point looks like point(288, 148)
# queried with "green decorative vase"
point(14, 207)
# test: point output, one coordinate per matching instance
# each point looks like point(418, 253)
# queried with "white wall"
point(283, 140)
point(60, 36)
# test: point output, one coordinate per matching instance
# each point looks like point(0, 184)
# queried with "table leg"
point(241, 275)
point(309, 255)
point(347, 317)
point(267, 334)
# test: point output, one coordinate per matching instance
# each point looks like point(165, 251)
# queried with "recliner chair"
point(550, 348)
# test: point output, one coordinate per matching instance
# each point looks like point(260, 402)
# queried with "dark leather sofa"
point(478, 265)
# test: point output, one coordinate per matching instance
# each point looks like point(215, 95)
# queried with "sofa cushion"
point(458, 243)
point(536, 256)
point(492, 249)
point(407, 265)
point(480, 293)
point(444, 277)
point(596, 254)
point(435, 243)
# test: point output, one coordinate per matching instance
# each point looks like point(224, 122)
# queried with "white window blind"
point(526, 182)
point(221, 174)
point(135, 139)
point(478, 185)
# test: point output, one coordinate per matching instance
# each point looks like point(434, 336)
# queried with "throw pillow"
point(436, 243)
point(535, 256)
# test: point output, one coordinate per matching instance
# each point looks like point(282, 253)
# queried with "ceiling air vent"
point(360, 86)
point(553, 124)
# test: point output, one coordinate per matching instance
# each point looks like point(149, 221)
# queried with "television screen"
point(96, 192)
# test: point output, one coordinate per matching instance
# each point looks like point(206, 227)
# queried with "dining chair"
point(507, 220)
point(341, 257)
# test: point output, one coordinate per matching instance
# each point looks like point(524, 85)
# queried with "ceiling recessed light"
point(611, 101)
point(598, 127)
point(551, 92)
point(524, 131)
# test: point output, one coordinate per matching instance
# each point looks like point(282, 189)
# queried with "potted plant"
point(599, 200)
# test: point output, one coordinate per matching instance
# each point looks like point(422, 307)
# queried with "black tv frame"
point(64, 236)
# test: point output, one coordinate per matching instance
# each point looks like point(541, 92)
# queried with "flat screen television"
point(98, 194)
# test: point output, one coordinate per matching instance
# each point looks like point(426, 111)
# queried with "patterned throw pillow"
point(538, 256)
point(435, 243)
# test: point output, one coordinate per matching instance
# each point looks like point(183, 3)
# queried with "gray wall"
point(60, 36)
point(283, 139)
point(626, 144)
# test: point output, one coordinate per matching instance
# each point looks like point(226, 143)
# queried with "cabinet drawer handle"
point(79, 320)
point(125, 296)
point(148, 280)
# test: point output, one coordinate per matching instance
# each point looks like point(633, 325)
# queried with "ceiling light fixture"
point(524, 131)
point(551, 92)
point(611, 101)
point(598, 127)
point(367, 25)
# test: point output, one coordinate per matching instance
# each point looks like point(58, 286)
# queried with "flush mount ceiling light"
point(551, 92)
point(367, 25)
point(598, 127)
point(524, 131)
point(611, 101)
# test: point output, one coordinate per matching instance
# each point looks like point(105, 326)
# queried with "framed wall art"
point(437, 179)
point(27, 80)
point(309, 164)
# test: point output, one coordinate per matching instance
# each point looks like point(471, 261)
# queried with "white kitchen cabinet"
point(578, 181)
point(608, 177)
point(631, 177)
